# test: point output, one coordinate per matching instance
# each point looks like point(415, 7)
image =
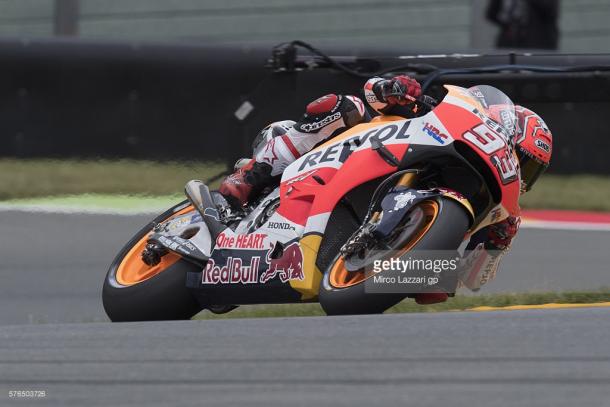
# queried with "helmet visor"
point(531, 168)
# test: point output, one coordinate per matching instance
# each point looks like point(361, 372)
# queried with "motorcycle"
point(392, 185)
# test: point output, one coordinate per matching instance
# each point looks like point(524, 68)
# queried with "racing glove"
point(400, 90)
point(502, 233)
point(384, 94)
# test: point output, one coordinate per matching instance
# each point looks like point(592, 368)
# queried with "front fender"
point(399, 200)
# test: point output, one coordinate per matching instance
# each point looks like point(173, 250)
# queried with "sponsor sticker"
point(237, 270)
point(280, 226)
point(233, 272)
point(253, 241)
point(403, 200)
point(495, 215)
point(542, 145)
point(300, 177)
point(435, 133)
point(288, 267)
point(341, 151)
point(507, 120)
point(309, 127)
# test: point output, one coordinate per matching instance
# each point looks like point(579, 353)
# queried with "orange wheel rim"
point(132, 270)
point(340, 277)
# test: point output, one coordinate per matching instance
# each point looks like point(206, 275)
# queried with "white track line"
point(562, 225)
point(68, 210)
point(72, 210)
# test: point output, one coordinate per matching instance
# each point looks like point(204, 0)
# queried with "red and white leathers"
point(330, 115)
point(324, 118)
point(283, 142)
point(484, 251)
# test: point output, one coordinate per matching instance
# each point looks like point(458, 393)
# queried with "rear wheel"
point(135, 291)
point(436, 224)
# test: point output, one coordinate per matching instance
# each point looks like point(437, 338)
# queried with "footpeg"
point(199, 195)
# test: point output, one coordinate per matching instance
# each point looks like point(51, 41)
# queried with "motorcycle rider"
point(324, 118)
point(533, 146)
point(281, 143)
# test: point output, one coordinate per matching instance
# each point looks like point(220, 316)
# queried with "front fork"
point(364, 236)
point(390, 205)
point(406, 180)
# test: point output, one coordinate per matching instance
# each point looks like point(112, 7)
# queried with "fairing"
point(312, 186)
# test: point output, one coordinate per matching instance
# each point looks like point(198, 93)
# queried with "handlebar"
point(426, 102)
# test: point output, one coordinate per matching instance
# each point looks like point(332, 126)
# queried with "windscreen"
point(498, 107)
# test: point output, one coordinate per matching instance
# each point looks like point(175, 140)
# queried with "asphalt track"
point(53, 265)
point(503, 358)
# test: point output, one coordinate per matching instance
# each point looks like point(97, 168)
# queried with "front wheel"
point(134, 291)
point(442, 226)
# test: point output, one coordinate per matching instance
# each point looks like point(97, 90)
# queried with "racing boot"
point(246, 183)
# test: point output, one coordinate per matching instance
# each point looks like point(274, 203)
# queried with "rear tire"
point(161, 297)
point(446, 233)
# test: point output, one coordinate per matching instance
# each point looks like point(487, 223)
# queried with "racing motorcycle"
point(392, 185)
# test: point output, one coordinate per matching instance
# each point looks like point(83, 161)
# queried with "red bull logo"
point(288, 267)
point(233, 272)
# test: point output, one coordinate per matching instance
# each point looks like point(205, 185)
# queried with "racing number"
point(485, 139)
point(493, 144)
point(506, 166)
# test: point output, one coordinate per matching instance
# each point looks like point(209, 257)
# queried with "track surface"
point(53, 265)
point(518, 358)
point(52, 270)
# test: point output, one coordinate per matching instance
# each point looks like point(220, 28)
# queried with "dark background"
point(74, 98)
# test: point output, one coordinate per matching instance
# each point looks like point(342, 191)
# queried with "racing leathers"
point(324, 118)
point(484, 251)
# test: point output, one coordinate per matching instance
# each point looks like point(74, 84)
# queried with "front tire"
point(134, 291)
point(446, 232)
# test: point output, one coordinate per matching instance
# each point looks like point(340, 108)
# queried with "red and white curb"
point(565, 220)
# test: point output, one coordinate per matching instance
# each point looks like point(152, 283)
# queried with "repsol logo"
point(341, 151)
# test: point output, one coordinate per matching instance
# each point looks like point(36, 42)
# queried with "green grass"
point(42, 178)
point(457, 303)
point(95, 202)
point(584, 192)
point(33, 178)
